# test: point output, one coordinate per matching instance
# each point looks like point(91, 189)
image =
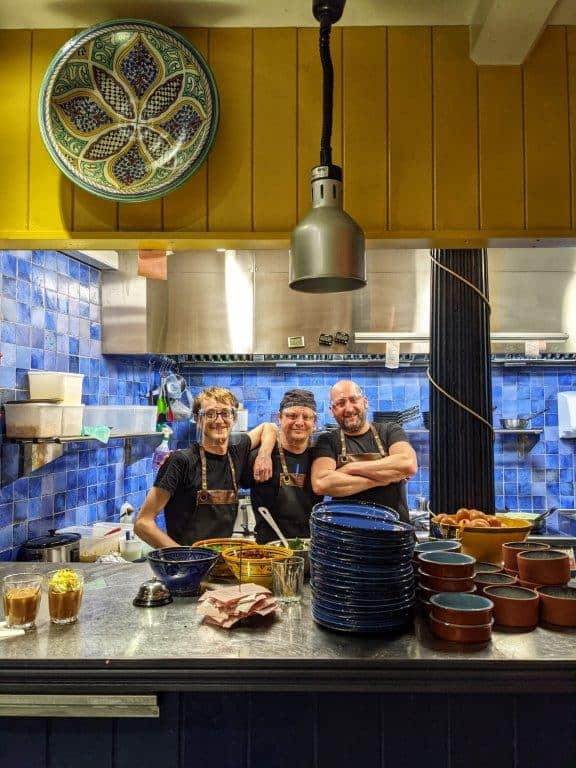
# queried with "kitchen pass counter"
point(116, 646)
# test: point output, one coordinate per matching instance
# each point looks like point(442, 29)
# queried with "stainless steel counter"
point(115, 644)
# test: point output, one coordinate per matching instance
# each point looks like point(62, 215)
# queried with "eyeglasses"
point(295, 416)
point(228, 414)
point(353, 400)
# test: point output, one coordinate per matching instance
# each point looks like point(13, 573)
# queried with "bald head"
point(349, 407)
point(344, 388)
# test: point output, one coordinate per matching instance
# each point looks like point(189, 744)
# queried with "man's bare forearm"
point(338, 483)
point(380, 476)
point(148, 531)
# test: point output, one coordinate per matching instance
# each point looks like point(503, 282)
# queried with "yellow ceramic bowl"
point(220, 572)
point(485, 544)
point(251, 563)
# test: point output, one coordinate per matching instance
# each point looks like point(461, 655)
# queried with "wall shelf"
point(36, 452)
point(526, 439)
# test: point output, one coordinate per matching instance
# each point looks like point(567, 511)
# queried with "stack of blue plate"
point(361, 568)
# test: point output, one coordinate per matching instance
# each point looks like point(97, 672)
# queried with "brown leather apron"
point(345, 457)
point(292, 506)
point(288, 479)
point(213, 517)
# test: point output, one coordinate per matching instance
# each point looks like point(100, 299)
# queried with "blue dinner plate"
point(362, 522)
point(351, 558)
point(331, 604)
point(355, 507)
point(330, 538)
point(353, 625)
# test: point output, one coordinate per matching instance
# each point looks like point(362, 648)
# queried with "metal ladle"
point(272, 523)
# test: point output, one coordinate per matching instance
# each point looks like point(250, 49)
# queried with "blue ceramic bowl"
point(182, 569)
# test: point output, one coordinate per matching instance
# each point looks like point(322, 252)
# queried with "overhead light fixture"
point(327, 250)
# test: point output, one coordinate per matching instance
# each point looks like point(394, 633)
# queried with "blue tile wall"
point(50, 320)
point(541, 479)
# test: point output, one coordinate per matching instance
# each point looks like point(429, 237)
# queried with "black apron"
point(396, 498)
point(214, 516)
point(292, 506)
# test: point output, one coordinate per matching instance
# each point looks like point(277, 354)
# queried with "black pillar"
point(461, 441)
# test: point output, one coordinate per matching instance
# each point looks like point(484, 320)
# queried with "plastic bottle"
point(127, 513)
point(163, 450)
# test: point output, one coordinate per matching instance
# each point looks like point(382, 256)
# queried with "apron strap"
point(285, 472)
point(378, 440)
point(205, 473)
point(342, 445)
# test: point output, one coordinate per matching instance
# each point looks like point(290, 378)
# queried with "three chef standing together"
point(198, 487)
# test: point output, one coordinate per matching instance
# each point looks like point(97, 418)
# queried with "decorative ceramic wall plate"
point(128, 110)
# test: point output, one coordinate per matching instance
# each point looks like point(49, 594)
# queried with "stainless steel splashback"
point(239, 302)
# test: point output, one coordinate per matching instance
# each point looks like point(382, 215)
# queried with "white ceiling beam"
point(504, 31)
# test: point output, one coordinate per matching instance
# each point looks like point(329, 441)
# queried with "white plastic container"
point(52, 385)
point(33, 419)
point(241, 423)
point(566, 414)
point(72, 420)
point(131, 549)
point(125, 419)
point(93, 547)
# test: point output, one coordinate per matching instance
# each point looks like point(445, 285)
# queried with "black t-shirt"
point(393, 495)
point(181, 476)
point(293, 522)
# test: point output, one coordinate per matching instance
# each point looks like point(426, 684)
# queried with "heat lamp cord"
point(429, 375)
point(327, 90)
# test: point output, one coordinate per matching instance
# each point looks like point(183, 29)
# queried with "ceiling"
point(42, 14)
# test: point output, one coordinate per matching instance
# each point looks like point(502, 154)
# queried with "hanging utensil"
point(272, 523)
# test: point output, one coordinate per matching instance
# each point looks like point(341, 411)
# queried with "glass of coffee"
point(21, 593)
point(65, 588)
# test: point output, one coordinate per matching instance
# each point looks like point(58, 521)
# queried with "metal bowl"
point(514, 423)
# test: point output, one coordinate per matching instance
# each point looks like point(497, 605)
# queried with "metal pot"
point(520, 423)
point(538, 520)
point(52, 548)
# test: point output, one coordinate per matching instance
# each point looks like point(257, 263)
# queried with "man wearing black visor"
point(288, 493)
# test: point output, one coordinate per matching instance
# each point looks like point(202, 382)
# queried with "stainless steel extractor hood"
point(222, 303)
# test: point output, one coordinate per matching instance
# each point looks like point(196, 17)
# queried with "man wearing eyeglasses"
point(198, 487)
point(288, 494)
point(362, 461)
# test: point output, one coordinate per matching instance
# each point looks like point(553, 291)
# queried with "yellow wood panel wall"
point(546, 133)
point(365, 126)
point(501, 147)
point(455, 130)
point(410, 166)
point(14, 132)
point(274, 195)
point(50, 192)
point(429, 142)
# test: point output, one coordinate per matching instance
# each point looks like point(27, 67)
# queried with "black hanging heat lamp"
point(327, 251)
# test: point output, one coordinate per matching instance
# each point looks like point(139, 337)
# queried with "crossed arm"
point(359, 476)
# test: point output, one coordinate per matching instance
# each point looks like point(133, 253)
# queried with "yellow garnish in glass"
point(65, 580)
